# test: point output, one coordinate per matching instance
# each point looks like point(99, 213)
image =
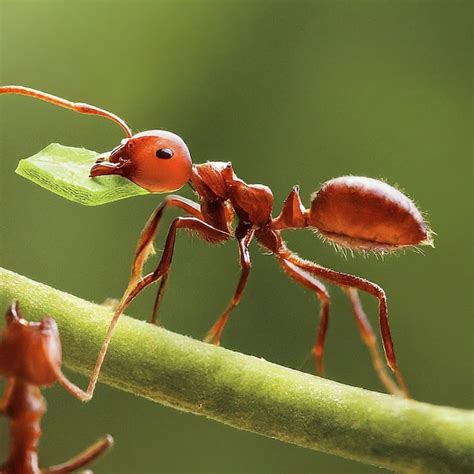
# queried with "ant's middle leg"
point(204, 230)
point(350, 281)
point(244, 236)
point(304, 278)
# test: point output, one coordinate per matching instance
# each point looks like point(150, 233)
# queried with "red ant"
point(357, 213)
point(30, 358)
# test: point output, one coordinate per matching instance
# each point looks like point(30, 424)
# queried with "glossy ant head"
point(22, 337)
point(156, 160)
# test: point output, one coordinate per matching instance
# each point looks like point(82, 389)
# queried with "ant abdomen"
point(366, 214)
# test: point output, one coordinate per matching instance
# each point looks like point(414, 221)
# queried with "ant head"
point(32, 351)
point(156, 160)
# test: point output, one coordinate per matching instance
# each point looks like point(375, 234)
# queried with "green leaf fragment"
point(64, 170)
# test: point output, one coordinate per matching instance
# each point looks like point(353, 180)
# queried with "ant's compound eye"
point(164, 153)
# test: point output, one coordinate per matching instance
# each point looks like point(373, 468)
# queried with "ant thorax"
point(217, 182)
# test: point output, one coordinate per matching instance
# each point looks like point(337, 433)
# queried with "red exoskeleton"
point(30, 358)
point(358, 213)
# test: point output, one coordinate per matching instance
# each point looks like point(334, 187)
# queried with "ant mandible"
point(357, 213)
point(30, 358)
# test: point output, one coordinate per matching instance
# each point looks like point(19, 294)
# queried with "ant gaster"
point(357, 213)
point(30, 358)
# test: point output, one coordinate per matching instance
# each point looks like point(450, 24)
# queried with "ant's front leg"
point(145, 243)
point(204, 230)
point(6, 395)
point(244, 234)
point(82, 459)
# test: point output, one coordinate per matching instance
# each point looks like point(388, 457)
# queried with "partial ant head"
point(28, 350)
point(156, 160)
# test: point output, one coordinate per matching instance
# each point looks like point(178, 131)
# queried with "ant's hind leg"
point(345, 280)
point(369, 338)
point(244, 236)
point(82, 459)
point(305, 279)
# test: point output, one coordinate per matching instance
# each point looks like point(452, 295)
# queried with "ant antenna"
point(76, 106)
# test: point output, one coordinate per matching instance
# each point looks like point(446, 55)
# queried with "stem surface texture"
point(250, 393)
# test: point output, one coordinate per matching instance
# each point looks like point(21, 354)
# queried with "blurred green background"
point(293, 92)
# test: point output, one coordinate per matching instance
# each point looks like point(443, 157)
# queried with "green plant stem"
point(250, 393)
